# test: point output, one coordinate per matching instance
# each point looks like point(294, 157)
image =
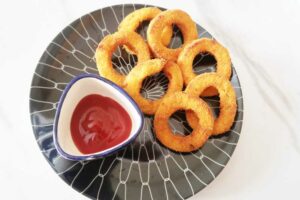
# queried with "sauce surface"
point(99, 123)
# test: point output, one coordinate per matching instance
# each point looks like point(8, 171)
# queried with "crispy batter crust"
point(190, 51)
point(107, 47)
point(184, 22)
point(133, 20)
point(200, 134)
point(227, 96)
point(134, 80)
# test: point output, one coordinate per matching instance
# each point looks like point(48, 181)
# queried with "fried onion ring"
point(200, 134)
point(165, 19)
point(227, 96)
point(107, 47)
point(190, 51)
point(132, 21)
point(134, 80)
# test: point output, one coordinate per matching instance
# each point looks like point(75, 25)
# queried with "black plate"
point(145, 169)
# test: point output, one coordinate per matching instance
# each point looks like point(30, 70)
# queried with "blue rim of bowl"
point(98, 155)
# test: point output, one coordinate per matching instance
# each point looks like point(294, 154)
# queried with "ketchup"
point(99, 123)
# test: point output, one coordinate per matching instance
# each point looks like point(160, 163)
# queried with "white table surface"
point(263, 39)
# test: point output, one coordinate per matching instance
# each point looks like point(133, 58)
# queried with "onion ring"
point(107, 47)
point(165, 19)
point(134, 80)
point(200, 134)
point(132, 21)
point(190, 51)
point(227, 96)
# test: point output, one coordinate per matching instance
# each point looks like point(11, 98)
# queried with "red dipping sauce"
point(99, 123)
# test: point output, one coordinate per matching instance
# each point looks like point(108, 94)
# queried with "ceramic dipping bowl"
point(78, 88)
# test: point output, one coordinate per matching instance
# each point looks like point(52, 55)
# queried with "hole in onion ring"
point(122, 61)
point(142, 29)
point(204, 62)
point(177, 38)
point(179, 124)
point(214, 104)
point(154, 87)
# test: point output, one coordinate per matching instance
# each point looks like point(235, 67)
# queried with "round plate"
point(145, 169)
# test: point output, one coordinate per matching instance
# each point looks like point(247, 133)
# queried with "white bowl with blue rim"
point(80, 87)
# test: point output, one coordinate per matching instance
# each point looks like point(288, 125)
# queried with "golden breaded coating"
point(107, 47)
point(200, 134)
point(134, 80)
point(167, 18)
point(133, 20)
point(190, 51)
point(227, 96)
